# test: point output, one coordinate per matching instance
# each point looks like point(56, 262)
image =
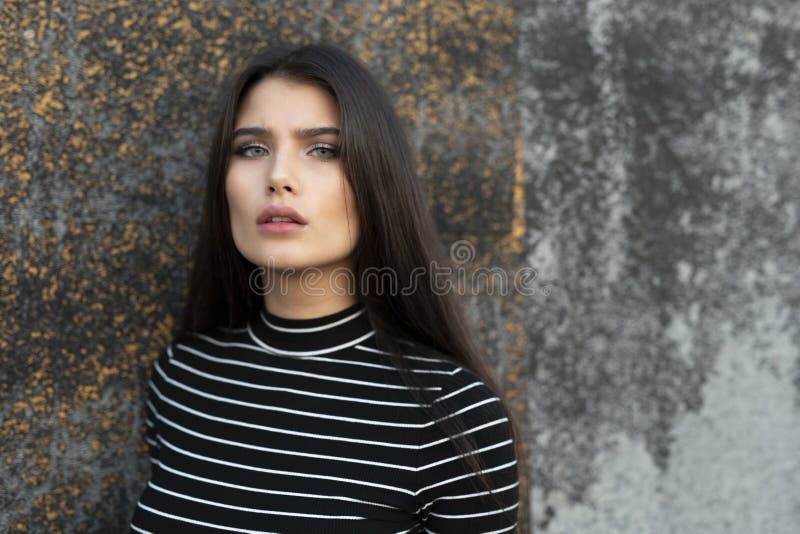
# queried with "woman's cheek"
point(236, 195)
point(236, 203)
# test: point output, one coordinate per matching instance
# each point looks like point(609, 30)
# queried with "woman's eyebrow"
point(303, 133)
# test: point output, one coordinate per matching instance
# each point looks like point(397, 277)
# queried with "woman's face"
point(285, 153)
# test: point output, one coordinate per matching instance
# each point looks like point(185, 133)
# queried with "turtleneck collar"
point(310, 337)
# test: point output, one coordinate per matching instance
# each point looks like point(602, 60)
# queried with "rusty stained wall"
point(106, 112)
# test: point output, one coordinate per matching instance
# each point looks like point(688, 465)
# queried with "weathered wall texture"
point(662, 188)
point(642, 156)
point(106, 110)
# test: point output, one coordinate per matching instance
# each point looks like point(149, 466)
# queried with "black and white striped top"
point(302, 425)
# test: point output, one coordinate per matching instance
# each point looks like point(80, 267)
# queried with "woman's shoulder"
point(457, 385)
point(465, 391)
point(208, 342)
point(462, 394)
point(217, 336)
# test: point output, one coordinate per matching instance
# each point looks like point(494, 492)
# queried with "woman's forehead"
point(275, 101)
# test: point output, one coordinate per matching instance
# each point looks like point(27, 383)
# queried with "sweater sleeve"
point(152, 407)
point(455, 499)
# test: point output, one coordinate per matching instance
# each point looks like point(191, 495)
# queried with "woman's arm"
point(151, 408)
point(455, 499)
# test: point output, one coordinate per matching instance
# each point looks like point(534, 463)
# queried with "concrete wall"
point(640, 157)
point(662, 187)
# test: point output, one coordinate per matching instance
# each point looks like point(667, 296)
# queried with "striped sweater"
point(303, 425)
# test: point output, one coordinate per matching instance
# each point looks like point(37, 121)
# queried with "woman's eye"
point(251, 151)
point(325, 152)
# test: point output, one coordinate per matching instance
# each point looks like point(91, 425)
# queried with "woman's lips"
point(280, 227)
point(277, 210)
point(266, 226)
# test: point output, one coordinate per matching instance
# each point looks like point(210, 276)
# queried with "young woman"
point(321, 381)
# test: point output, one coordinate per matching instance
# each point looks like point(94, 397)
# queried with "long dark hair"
point(396, 228)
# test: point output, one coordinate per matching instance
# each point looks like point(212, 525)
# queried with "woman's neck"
point(299, 296)
point(306, 306)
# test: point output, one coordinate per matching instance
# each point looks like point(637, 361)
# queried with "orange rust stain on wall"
point(92, 90)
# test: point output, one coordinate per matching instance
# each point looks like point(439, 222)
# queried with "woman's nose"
point(281, 172)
